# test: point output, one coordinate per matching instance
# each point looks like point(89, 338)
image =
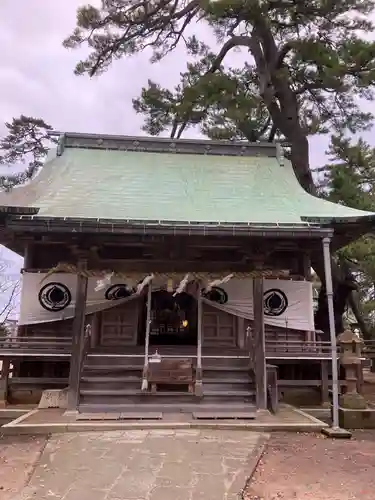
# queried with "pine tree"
point(27, 141)
point(310, 61)
point(349, 179)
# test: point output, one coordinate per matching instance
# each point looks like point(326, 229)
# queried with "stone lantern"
point(350, 358)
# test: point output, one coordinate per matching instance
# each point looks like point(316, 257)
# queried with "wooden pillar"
point(324, 388)
point(241, 335)
point(4, 381)
point(77, 340)
point(259, 345)
point(306, 266)
point(198, 374)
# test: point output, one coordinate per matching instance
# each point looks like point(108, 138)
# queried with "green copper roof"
point(172, 186)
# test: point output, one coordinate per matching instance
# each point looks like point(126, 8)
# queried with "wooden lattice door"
point(119, 325)
point(219, 327)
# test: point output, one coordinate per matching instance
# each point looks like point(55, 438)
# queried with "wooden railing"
point(35, 346)
point(296, 348)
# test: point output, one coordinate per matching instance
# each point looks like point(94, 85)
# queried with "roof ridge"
point(165, 145)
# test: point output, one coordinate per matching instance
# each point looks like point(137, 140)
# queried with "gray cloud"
point(36, 74)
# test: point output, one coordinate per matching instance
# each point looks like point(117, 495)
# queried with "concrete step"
point(123, 397)
point(170, 407)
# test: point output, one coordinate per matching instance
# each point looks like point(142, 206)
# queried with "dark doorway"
point(173, 319)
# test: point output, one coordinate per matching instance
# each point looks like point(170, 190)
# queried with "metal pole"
point(198, 375)
point(332, 331)
point(147, 338)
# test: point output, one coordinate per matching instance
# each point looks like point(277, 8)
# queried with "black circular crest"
point(216, 294)
point(116, 292)
point(275, 302)
point(54, 296)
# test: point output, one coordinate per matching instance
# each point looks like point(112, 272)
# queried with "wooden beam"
point(4, 382)
point(77, 341)
point(259, 345)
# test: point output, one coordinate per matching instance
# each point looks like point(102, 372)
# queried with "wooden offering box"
point(171, 372)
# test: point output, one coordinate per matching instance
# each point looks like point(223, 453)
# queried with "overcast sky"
point(36, 75)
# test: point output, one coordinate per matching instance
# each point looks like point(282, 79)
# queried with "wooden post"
point(241, 340)
point(147, 338)
point(259, 345)
point(198, 374)
point(4, 381)
point(95, 335)
point(28, 263)
point(324, 388)
point(77, 341)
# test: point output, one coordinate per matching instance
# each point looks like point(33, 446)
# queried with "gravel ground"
point(308, 466)
point(18, 456)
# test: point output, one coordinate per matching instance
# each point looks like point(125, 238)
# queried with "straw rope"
point(140, 276)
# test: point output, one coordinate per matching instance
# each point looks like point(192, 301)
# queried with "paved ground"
point(144, 465)
point(311, 467)
point(18, 455)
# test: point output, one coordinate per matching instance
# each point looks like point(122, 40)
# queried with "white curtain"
point(291, 303)
point(297, 315)
point(32, 311)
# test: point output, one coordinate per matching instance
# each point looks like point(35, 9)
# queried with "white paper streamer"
point(219, 282)
point(183, 284)
point(103, 283)
point(144, 283)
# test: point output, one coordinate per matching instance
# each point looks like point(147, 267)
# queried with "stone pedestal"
point(350, 359)
point(54, 398)
point(357, 419)
point(353, 401)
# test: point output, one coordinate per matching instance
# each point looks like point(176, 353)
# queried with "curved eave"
point(347, 230)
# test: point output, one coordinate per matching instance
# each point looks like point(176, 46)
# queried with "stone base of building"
point(357, 419)
point(27, 396)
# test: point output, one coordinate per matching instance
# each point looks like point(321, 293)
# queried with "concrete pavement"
point(185, 464)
